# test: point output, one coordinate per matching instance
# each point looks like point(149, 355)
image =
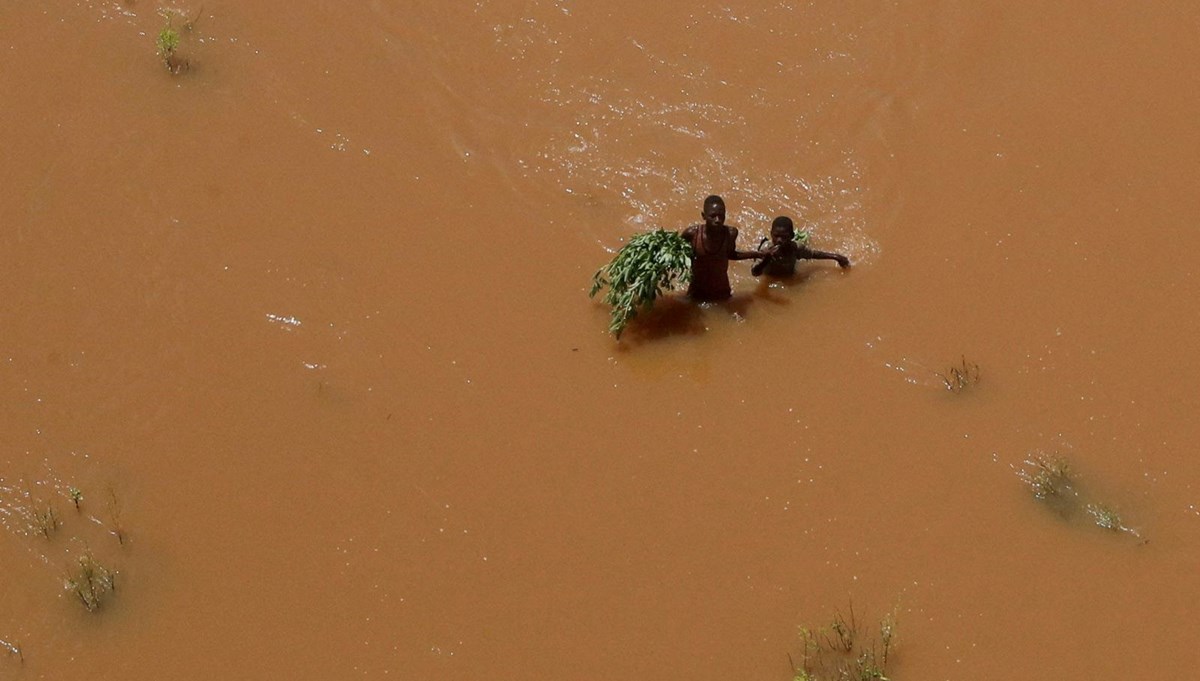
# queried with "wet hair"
point(783, 222)
point(713, 200)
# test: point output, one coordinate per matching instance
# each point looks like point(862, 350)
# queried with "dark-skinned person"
point(781, 257)
point(714, 244)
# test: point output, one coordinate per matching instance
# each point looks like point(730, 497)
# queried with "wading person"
point(714, 244)
point(781, 257)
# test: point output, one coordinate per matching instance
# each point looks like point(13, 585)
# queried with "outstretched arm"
point(735, 254)
point(813, 254)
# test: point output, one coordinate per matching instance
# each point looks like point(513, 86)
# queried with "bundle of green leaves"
point(643, 269)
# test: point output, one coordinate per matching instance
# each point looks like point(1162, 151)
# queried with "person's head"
point(714, 211)
point(782, 230)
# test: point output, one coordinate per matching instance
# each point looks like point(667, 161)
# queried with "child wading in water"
point(714, 245)
point(781, 257)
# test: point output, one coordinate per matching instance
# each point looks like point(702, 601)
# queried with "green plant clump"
point(643, 269)
point(167, 41)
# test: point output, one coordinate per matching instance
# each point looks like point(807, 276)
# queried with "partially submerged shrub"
point(1105, 517)
point(1047, 475)
point(42, 514)
point(959, 378)
point(643, 269)
point(1108, 518)
point(1054, 482)
point(167, 42)
point(843, 652)
point(90, 581)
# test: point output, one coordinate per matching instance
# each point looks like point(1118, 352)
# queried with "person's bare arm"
point(807, 253)
point(735, 254)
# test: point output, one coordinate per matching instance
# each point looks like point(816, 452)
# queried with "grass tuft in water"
point(842, 651)
point(90, 581)
point(643, 269)
point(961, 377)
point(1048, 475)
point(75, 495)
point(43, 515)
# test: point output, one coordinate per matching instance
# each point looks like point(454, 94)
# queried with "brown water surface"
point(308, 325)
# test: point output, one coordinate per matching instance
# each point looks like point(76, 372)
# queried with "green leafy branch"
point(643, 269)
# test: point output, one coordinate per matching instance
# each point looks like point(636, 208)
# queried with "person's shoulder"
point(689, 231)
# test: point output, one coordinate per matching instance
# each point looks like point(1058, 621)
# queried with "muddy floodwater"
point(297, 357)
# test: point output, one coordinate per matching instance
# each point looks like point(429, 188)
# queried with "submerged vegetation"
point(1054, 482)
point(843, 651)
point(1108, 518)
point(90, 581)
point(643, 269)
point(1048, 476)
point(88, 578)
point(43, 516)
point(960, 377)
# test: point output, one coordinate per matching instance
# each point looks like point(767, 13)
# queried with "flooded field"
point(296, 352)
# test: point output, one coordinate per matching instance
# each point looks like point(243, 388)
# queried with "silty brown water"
point(309, 325)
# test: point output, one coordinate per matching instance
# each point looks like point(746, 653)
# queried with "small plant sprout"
point(90, 581)
point(167, 42)
point(76, 496)
point(959, 378)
